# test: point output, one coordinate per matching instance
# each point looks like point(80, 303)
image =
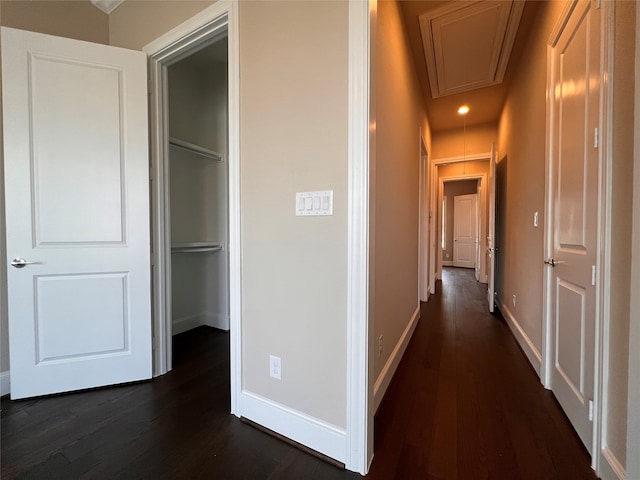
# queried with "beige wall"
point(293, 97)
point(621, 224)
point(522, 132)
point(400, 118)
point(72, 19)
point(457, 142)
point(451, 190)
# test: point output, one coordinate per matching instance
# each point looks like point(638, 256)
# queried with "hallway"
point(466, 404)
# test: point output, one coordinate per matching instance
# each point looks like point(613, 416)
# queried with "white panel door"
point(465, 230)
point(574, 188)
point(491, 236)
point(77, 213)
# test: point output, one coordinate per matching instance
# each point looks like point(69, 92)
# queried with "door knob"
point(553, 262)
point(20, 262)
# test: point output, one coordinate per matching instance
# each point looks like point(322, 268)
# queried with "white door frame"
point(424, 215)
point(633, 422)
point(435, 263)
point(209, 25)
point(361, 205)
point(603, 255)
point(481, 190)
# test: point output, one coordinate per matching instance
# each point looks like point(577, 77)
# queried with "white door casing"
point(491, 234)
point(574, 189)
point(77, 204)
point(465, 217)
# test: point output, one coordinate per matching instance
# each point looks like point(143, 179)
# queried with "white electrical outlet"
point(380, 345)
point(513, 300)
point(275, 367)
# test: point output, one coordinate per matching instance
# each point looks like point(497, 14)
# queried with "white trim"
point(528, 347)
point(423, 221)
point(189, 322)
point(389, 369)
point(5, 383)
point(474, 157)
point(447, 263)
point(212, 23)
point(633, 415)
point(299, 427)
point(603, 256)
point(435, 247)
point(610, 468)
point(184, 324)
point(359, 437)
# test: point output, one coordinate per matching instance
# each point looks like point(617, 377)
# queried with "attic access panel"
point(467, 44)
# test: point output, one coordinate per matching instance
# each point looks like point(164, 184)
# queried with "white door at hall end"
point(77, 213)
point(465, 217)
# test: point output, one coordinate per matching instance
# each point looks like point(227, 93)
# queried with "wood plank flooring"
point(464, 404)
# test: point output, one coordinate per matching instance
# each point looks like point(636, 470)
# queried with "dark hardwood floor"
point(464, 404)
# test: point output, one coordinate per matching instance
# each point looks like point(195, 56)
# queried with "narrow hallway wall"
point(401, 120)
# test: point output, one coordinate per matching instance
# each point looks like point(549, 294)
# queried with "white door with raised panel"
point(572, 256)
point(77, 213)
point(465, 230)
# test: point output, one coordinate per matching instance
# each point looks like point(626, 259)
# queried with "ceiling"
point(462, 51)
point(463, 55)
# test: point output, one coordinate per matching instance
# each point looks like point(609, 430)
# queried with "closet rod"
point(216, 248)
point(198, 150)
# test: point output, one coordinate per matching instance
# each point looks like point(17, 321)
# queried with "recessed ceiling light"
point(463, 110)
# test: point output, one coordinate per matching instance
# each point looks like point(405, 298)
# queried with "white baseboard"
point(447, 263)
point(180, 325)
point(530, 350)
point(609, 467)
point(389, 369)
point(217, 320)
point(5, 383)
point(299, 427)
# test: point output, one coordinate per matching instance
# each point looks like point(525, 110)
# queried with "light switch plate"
point(314, 204)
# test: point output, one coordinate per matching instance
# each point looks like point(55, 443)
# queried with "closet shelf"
point(196, 247)
point(197, 149)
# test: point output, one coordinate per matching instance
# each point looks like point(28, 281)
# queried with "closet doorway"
point(198, 189)
point(193, 80)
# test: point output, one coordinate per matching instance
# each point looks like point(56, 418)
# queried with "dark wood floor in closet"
point(465, 404)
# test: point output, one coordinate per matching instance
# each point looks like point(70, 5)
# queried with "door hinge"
point(598, 4)
point(596, 138)
point(591, 410)
point(593, 275)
